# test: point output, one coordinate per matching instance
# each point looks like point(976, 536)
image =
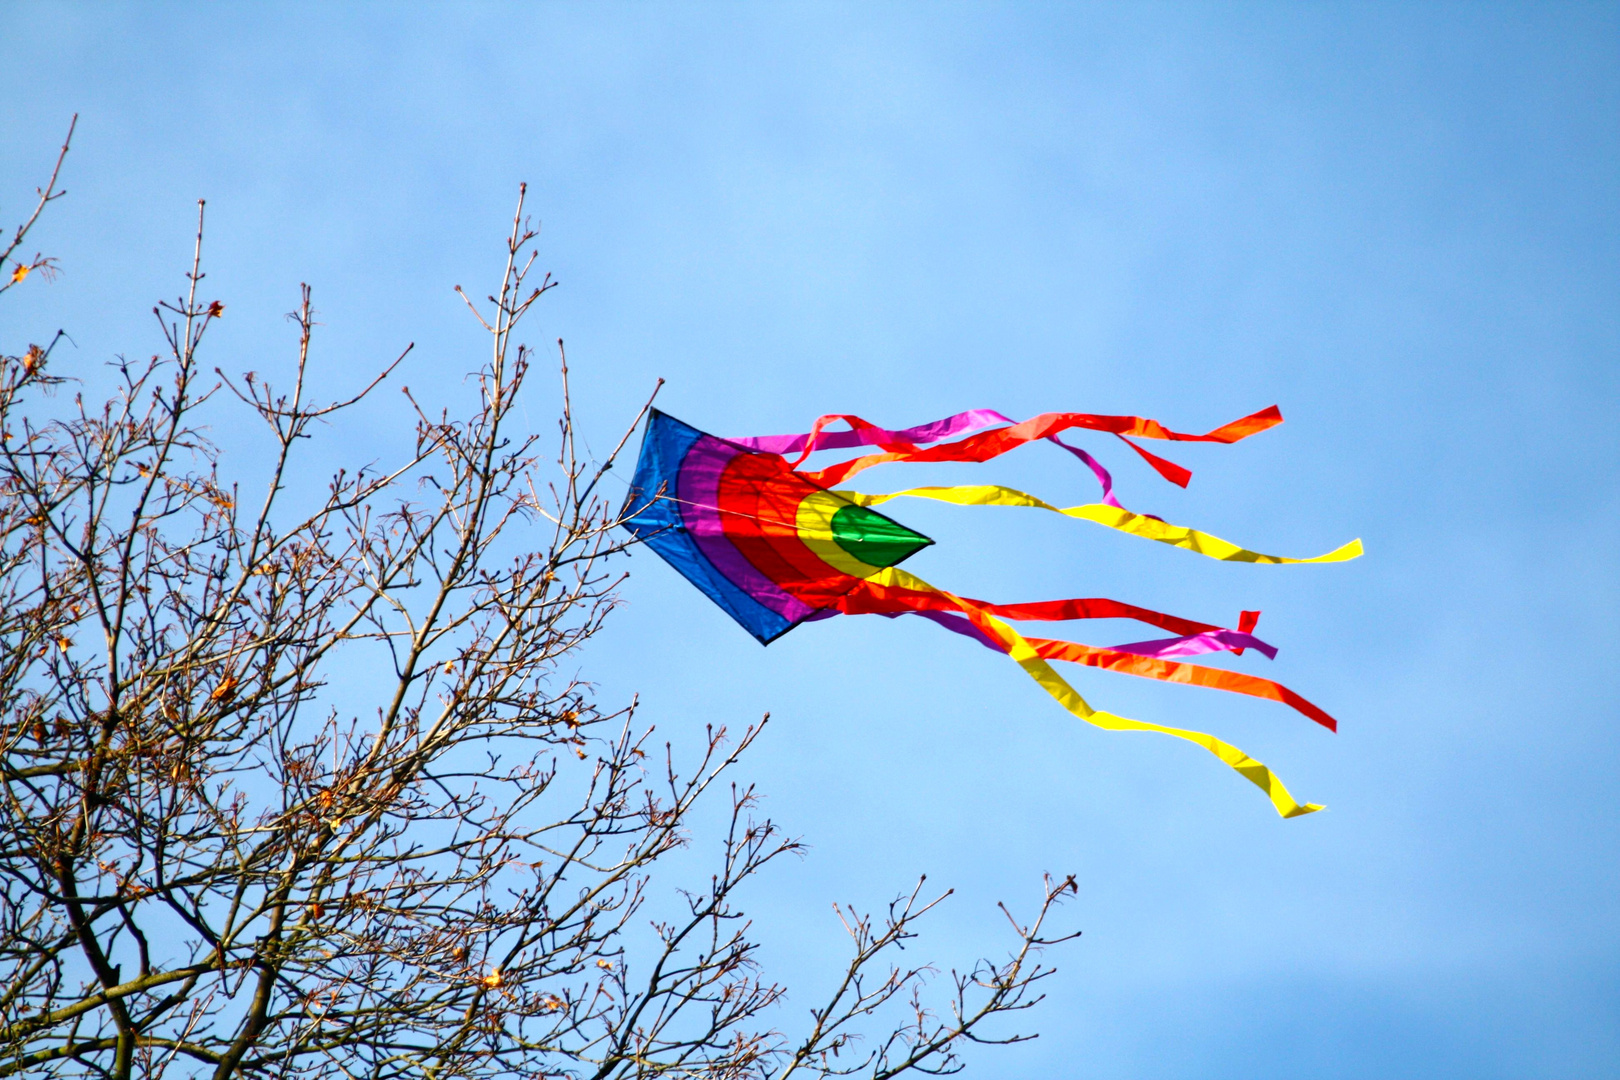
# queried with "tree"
point(210, 865)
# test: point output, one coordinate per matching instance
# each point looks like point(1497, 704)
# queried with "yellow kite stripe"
point(1112, 516)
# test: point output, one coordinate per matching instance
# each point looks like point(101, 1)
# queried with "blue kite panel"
point(655, 519)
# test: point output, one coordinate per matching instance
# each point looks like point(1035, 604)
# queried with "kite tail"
point(893, 591)
point(984, 445)
point(1113, 516)
point(1146, 659)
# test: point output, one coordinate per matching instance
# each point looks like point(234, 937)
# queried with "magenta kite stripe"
point(873, 436)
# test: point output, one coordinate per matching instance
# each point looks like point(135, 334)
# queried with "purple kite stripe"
point(1095, 466)
point(698, 487)
point(1191, 645)
point(1197, 644)
point(956, 624)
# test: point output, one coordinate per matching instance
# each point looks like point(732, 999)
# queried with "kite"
point(776, 545)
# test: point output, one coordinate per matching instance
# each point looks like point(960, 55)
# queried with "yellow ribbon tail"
point(1024, 654)
point(1112, 516)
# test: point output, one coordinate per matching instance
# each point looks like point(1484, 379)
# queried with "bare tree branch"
point(211, 862)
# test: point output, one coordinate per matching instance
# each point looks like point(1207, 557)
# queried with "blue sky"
point(1399, 222)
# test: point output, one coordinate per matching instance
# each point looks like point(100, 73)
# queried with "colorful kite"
point(776, 546)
